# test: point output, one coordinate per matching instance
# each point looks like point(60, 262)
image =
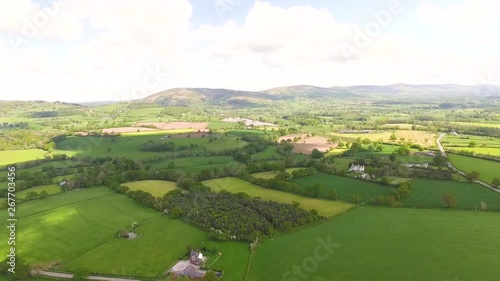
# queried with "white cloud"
point(475, 14)
point(273, 46)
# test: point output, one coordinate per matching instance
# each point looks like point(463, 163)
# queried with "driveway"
point(70, 276)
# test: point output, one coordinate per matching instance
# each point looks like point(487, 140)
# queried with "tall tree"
point(449, 200)
point(472, 176)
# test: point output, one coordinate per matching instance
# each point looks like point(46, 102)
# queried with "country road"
point(70, 276)
point(443, 153)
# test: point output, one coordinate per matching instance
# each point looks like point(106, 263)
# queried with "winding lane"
point(443, 153)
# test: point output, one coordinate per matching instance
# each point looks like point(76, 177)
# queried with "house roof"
point(192, 271)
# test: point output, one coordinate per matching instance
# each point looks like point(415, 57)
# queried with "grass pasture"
point(50, 189)
point(272, 174)
point(469, 195)
point(161, 242)
point(79, 229)
point(475, 124)
point(487, 169)
point(484, 145)
point(444, 243)
point(345, 186)
point(157, 188)
point(324, 207)
point(234, 258)
point(129, 145)
point(196, 164)
point(417, 137)
point(15, 156)
point(464, 140)
point(55, 164)
point(491, 151)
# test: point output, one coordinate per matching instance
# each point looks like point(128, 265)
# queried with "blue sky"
point(82, 50)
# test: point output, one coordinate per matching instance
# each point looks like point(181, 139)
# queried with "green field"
point(55, 164)
point(464, 140)
point(161, 242)
point(196, 164)
point(269, 152)
point(468, 195)
point(157, 188)
point(380, 244)
point(487, 169)
point(128, 145)
point(16, 156)
point(324, 207)
point(345, 186)
point(234, 258)
point(272, 174)
point(492, 151)
point(79, 229)
point(50, 189)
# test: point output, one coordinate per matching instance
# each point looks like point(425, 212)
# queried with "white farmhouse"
point(357, 168)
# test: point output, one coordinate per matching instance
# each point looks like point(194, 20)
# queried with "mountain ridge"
point(190, 96)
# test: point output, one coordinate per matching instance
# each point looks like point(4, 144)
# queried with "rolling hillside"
point(235, 98)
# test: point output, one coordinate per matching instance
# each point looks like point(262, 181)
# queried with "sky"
point(94, 50)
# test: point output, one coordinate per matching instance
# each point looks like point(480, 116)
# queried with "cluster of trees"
point(119, 170)
point(227, 171)
point(165, 146)
point(37, 178)
point(431, 174)
point(399, 193)
point(255, 145)
point(285, 148)
point(25, 139)
point(236, 216)
point(496, 182)
point(34, 195)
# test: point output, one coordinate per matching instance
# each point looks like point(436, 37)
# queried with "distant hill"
point(189, 96)
point(235, 98)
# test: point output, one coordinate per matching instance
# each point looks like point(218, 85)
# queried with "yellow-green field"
point(16, 156)
point(477, 150)
point(155, 187)
point(419, 137)
point(488, 125)
point(399, 126)
point(324, 207)
point(272, 174)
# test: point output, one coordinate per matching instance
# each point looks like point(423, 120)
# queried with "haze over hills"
point(239, 98)
point(190, 96)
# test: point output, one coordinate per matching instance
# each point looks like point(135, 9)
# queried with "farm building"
point(417, 165)
point(197, 258)
point(357, 168)
point(191, 271)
